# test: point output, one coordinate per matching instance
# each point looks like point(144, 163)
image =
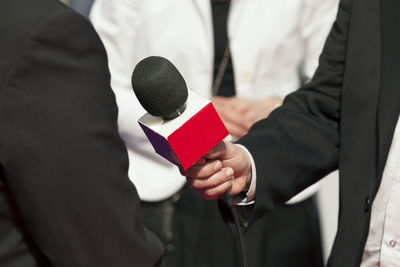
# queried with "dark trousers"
point(194, 234)
point(287, 237)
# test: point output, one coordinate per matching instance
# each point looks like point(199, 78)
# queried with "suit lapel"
point(359, 98)
point(389, 99)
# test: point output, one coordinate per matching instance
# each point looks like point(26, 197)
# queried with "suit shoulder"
point(19, 17)
point(24, 20)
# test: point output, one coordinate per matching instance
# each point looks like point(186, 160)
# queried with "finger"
point(201, 161)
point(216, 151)
point(238, 185)
point(226, 174)
point(223, 151)
point(215, 192)
point(203, 171)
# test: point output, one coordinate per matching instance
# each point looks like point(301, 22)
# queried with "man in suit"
point(65, 197)
point(346, 118)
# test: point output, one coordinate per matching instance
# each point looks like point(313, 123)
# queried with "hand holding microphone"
point(211, 180)
point(183, 126)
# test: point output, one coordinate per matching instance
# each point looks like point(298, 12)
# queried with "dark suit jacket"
point(345, 117)
point(65, 197)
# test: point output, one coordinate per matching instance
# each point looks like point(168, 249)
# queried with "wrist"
point(247, 171)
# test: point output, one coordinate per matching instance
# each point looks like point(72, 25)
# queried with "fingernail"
point(229, 172)
point(217, 165)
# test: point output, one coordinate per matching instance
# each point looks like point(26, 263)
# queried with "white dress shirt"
point(273, 43)
point(383, 244)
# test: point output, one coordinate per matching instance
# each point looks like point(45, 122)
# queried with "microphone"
point(181, 125)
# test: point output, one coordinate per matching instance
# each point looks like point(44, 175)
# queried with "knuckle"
point(211, 192)
point(198, 184)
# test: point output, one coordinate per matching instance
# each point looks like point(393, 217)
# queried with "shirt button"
point(392, 243)
point(367, 204)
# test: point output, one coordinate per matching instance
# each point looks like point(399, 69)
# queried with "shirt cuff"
point(248, 199)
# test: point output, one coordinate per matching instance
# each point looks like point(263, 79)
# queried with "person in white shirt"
point(274, 47)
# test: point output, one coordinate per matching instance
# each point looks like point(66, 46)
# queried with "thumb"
point(221, 151)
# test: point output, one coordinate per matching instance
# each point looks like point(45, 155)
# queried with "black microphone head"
point(159, 87)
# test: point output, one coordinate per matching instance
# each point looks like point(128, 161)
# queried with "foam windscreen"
point(159, 86)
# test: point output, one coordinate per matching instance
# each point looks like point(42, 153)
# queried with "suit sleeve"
point(66, 165)
point(315, 22)
point(299, 143)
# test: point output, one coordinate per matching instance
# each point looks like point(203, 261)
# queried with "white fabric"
point(272, 42)
point(383, 244)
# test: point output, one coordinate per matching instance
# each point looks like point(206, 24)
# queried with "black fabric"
point(336, 121)
point(390, 96)
point(288, 236)
point(220, 10)
point(65, 197)
point(199, 238)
